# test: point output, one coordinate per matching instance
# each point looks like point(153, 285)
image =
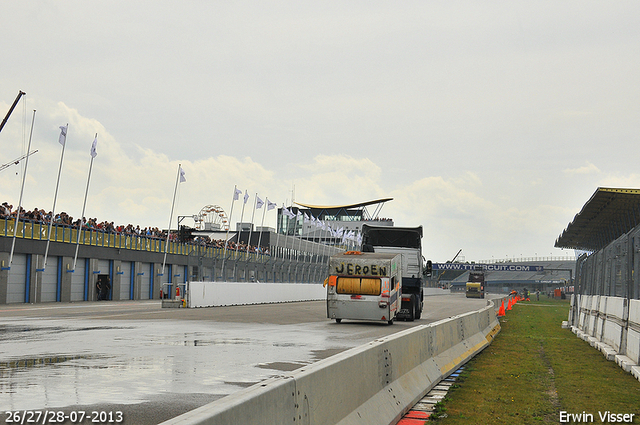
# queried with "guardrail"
point(373, 384)
point(286, 261)
point(68, 234)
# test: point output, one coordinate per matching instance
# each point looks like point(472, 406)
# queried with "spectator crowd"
point(63, 219)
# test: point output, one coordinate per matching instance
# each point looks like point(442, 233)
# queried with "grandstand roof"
point(358, 205)
point(609, 214)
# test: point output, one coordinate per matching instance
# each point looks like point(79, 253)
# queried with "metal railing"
point(68, 234)
point(94, 237)
point(540, 259)
point(611, 271)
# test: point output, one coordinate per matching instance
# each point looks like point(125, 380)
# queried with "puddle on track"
point(53, 363)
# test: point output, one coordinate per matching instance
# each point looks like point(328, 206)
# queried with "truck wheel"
point(390, 322)
point(418, 309)
point(412, 308)
point(338, 320)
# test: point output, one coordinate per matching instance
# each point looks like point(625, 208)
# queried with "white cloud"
point(337, 180)
point(588, 168)
point(630, 181)
point(455, 216)
point(483, 121)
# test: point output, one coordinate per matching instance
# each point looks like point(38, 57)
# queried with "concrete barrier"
point(215, 294)
point(372, 384)
point(633, 334)
point(428, 292)
point(611, 325)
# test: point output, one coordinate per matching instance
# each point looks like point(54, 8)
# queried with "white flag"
point(246, 196)
point(63, 134)
point(94, 152)
point(182, 177)
point(259, 203)
point(288, 213)
point(236, 194)
point(270, 205)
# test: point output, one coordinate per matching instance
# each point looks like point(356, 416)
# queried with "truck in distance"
point(475, 283)
point(363, 286)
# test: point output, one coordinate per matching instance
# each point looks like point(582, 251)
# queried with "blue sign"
point(488, 267)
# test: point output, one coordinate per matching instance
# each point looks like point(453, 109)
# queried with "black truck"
point(408, 242)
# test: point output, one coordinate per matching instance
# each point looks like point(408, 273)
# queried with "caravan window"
point(358, 286)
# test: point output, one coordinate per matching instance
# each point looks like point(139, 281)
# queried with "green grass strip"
point(534, 370)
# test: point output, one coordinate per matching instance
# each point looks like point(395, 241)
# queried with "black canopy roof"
point(609, 214)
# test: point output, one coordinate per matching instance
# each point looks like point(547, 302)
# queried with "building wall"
point(28, 280)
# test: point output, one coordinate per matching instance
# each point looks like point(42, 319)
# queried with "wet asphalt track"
point(153, 364)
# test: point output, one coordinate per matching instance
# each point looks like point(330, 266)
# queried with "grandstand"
point(554, 274)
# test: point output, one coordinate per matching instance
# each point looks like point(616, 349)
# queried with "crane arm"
point(17, 160)
point(15, 102)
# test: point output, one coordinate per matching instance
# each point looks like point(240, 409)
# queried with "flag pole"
point(278, 233)
point(244, 203)
point(24, 177)
point(62, 139)
point(166, 245)
point(262, 223)
point(312, 248)
point(274, 255)
point(253, 213)
point(86, 192)
point(298, 215)
point(324, 245)
point(226, 238)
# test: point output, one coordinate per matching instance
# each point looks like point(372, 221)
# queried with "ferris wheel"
point(212, 217)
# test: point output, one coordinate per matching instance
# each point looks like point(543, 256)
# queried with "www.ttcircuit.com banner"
point(488, 267)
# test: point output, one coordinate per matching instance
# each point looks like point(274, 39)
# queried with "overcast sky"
point(489, 123)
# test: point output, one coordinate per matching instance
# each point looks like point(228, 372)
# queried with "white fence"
point(216, 294)
point(610, 324)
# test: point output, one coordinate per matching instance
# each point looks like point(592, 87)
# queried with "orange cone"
point(501, 310)
point(510, 304)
